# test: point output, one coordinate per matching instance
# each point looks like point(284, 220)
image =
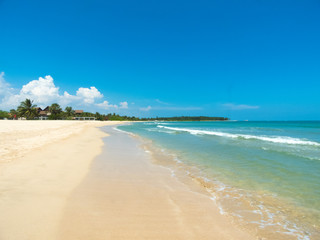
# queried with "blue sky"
point(256, 60)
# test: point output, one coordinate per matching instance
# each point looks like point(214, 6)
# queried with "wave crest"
point(274, 139)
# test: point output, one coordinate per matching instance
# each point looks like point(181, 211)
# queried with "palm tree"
point(99, 116)
point(55, 111)
point(69, 111)
point(27, 109)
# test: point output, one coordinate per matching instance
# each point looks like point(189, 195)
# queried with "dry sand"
point(41, 162)
point(57, 191)
point(21, 137)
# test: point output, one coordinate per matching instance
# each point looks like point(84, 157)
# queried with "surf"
point(273, 139)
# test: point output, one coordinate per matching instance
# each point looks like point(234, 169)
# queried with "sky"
point(246, 60)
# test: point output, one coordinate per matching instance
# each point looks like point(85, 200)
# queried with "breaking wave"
point(274, 139)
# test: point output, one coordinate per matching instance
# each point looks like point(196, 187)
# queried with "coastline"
point(87, 180)
point(201, 159)
point(126, 196)
point(229, 200)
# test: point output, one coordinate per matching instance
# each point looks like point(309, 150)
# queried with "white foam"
point(148, 123)
point(162, 123)
point(115, 128)
point(214, 199)
point(274, 139)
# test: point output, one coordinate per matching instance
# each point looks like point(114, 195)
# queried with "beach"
point(41, 163)
point(159, 120)
point(86, 180)
point(263, 175)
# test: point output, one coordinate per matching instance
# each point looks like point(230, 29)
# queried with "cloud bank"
point(44, 92)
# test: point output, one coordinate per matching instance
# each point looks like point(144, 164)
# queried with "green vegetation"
point(4, 114)
point(14, 113)
point(55, 111)
point(99, 117)
point(116, 117)
point(27, 109)
point(200, 118)
point(30, 111)
point(68, 112)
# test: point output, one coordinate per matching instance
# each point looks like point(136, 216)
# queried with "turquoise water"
point(274, 166)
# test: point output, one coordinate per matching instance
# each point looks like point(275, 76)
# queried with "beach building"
point(85, 118)
point(46, 109)
point(78, 116)
point(43, 113)
point(78, 112)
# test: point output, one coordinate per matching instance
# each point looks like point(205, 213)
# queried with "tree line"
point(28, 110)
point(186, 118)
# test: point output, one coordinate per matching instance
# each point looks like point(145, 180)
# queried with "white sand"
point(41, 163)
point(21, 137)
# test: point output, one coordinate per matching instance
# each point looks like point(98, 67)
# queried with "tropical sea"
point(264, 175)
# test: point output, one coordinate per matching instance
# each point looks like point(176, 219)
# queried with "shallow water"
point(264, 174)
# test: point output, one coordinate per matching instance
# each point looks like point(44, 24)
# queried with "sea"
point(263, 175)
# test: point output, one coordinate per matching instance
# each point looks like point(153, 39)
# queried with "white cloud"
point(4, 86)
point(146, 109)
point(239, 106)
point(124, 105)
point(44, 92)
point(106, 105)
point(89, 94)
point(41, 91)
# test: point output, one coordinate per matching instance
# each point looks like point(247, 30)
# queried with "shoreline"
point(126, 196)
point(90, 181)
point(230, 200)
point(261, 213)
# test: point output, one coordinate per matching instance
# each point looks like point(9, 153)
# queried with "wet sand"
point(126, 196)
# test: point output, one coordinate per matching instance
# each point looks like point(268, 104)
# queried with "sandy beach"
point(41, 162)
point(73, 180)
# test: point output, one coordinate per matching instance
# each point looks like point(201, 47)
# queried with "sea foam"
point(274, 139)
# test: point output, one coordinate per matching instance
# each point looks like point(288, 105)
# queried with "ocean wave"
point(274, 139)
point(119, 130)
point(149, 123)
